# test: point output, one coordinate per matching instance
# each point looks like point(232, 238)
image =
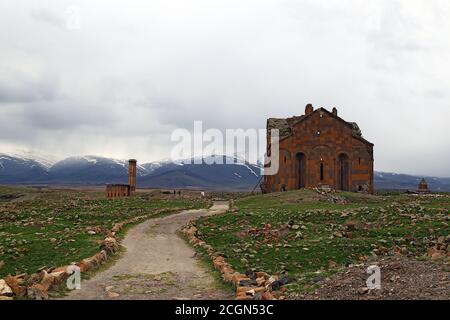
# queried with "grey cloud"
point(26, 90)
point(137, 70)
point(67, 115)
point(47, 15)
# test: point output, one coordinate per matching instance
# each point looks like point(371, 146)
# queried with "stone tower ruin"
point(132, 175)
point(124, 190)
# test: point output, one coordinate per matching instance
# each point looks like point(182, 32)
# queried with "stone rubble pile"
point(36, 286)
point(249, 286)
point(331, 195)
point(440, 248)
point(269, 233)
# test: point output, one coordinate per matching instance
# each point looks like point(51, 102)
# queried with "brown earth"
point(401, 279)
point(157, 264)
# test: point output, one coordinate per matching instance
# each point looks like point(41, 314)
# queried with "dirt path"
point(157, 264)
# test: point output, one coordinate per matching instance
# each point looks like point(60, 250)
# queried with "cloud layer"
point(136, 70)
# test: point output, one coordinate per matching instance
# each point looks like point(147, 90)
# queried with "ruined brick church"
point(320, 149)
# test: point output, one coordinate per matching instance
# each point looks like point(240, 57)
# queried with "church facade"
point(320, 149)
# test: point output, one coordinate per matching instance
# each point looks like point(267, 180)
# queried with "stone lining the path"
point(249, 286)
point(37, 285)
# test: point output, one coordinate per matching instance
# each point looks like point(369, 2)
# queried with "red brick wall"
point(117, 191)
point(323, 138)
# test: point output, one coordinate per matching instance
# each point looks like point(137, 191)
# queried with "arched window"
point(343, 172)
point(301, 170)
point(321, 172)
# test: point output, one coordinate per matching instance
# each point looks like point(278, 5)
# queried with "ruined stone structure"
point(132, 163)
point(423, 186)
point(124, 190)
point(117, 190)
point(320, 149)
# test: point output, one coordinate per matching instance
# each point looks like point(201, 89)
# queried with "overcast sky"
point(136, 70)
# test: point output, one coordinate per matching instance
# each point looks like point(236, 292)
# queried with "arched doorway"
point(343, 171)
point(301, 170)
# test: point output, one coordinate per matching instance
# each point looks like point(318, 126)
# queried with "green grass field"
point(50, 227)
point(323, 236)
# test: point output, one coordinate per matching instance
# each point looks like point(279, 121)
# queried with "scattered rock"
point(363, 290)
point(279, 283)
point(247, 290)
point(263, 274)
point(243, 296)
point(351, 225)
point(59, 276)
point(84, 265)
point(5, 290)
point(317, 279)
point(267, 296)
point(112, 295)
point(257, 296)
point(251, 274)
point(47, 280)
point(110, 245)
point(248, 283)
point(437, 256)
point(332, 265)
point(260, 281)
point(37, 292)
point(15, 283)
point(35, 278)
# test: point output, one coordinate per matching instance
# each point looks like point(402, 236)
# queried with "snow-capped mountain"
point(195, 173)
point(214, 172)
point(95, 170)
point(17, 168)
point(152, 166)
point(45, 160)
point(91, 170)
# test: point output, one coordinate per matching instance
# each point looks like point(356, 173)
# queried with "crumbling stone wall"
point(124, 190)
point(117, 190)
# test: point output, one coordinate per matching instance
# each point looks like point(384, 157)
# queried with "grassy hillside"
point(56, 227)
point(311, 236)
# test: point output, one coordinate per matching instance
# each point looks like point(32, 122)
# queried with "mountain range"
point(27, 169)
point(95, 170)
